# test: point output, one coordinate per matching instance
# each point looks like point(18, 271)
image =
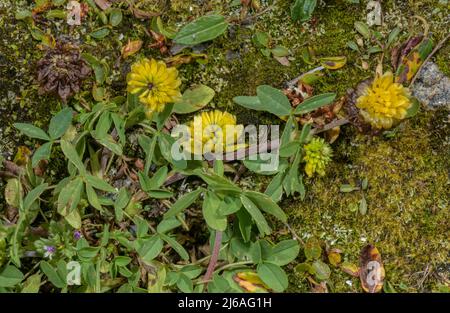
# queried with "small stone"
point(432, 87)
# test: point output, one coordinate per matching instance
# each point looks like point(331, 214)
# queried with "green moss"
point(407, 204)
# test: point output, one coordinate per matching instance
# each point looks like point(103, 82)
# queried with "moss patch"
point(408, 213)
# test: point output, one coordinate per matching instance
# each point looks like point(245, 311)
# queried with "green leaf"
point(275, 188)
point(42, 153)
point(60, 123)
point(302, 10)
point(56, 14)
point(262, 38)
point(194, 99)
point(123, 198)
point(273, 100)
point(93, 198)
point(119, 124)
point(192, 271)
point(375, 49)
point(99, 184)
point(100, 33)
point(166, 142)
point(284, 252)
point(185, 284)
point(313, 103)
point(263, 160)
point(183, 202)
point(161, 117)
point(115, 17)
point(245, 224)
point(23, 14)
point(167, 225)
point(393, 35)
point(32, 284)
point(229, 205)
point(203, 29)
point(280, 51)
point(71, 153)
point(176, 246)
point(108, 142)
point(273, 276)
point(251, 103)
point(210, 210)
point(160, 194)
point(312, 249)
point(363, 29)
point(150, 248)
point(88, 252)
point(347, 188)
point(322, 270)
point(352, 45)
point(10, 276)
point(70, 196)
point(100, 73)
point(289, 149)
point(414, 108)
point(158, 178)
point(122, 260)
point(31, 131)
point(266, 204)
point(363, 206)
point(52, 275)
point(33, 195)
point(257, 216)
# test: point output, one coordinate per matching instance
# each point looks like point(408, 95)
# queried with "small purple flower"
point(77, 235)
point(49, 251)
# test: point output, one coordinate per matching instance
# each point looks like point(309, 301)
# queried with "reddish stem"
point(214, 257)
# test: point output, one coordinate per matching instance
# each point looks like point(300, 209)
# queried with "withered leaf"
point(131, 48)
point(318, 287)
point(372, 270)
point(103, 4)
point(282, 60)
point(250, 282)
point(334, 257)
point(333, 63)
point(22, 156)
point(140, 14)
point(13, 192)
point(350, 268)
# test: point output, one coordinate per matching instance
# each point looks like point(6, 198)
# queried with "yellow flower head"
point(213, 132)
point(384, 102)
point(156, 84)
point(317, 155)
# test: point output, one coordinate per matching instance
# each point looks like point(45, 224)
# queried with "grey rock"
point(432, 87)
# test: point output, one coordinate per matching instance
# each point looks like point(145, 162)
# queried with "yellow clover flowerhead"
point(385, 102)
point(213, 132)
point(156, 84)
point(317, 155)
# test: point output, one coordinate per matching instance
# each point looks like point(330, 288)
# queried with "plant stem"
point(214, 257)
point(233, 265)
